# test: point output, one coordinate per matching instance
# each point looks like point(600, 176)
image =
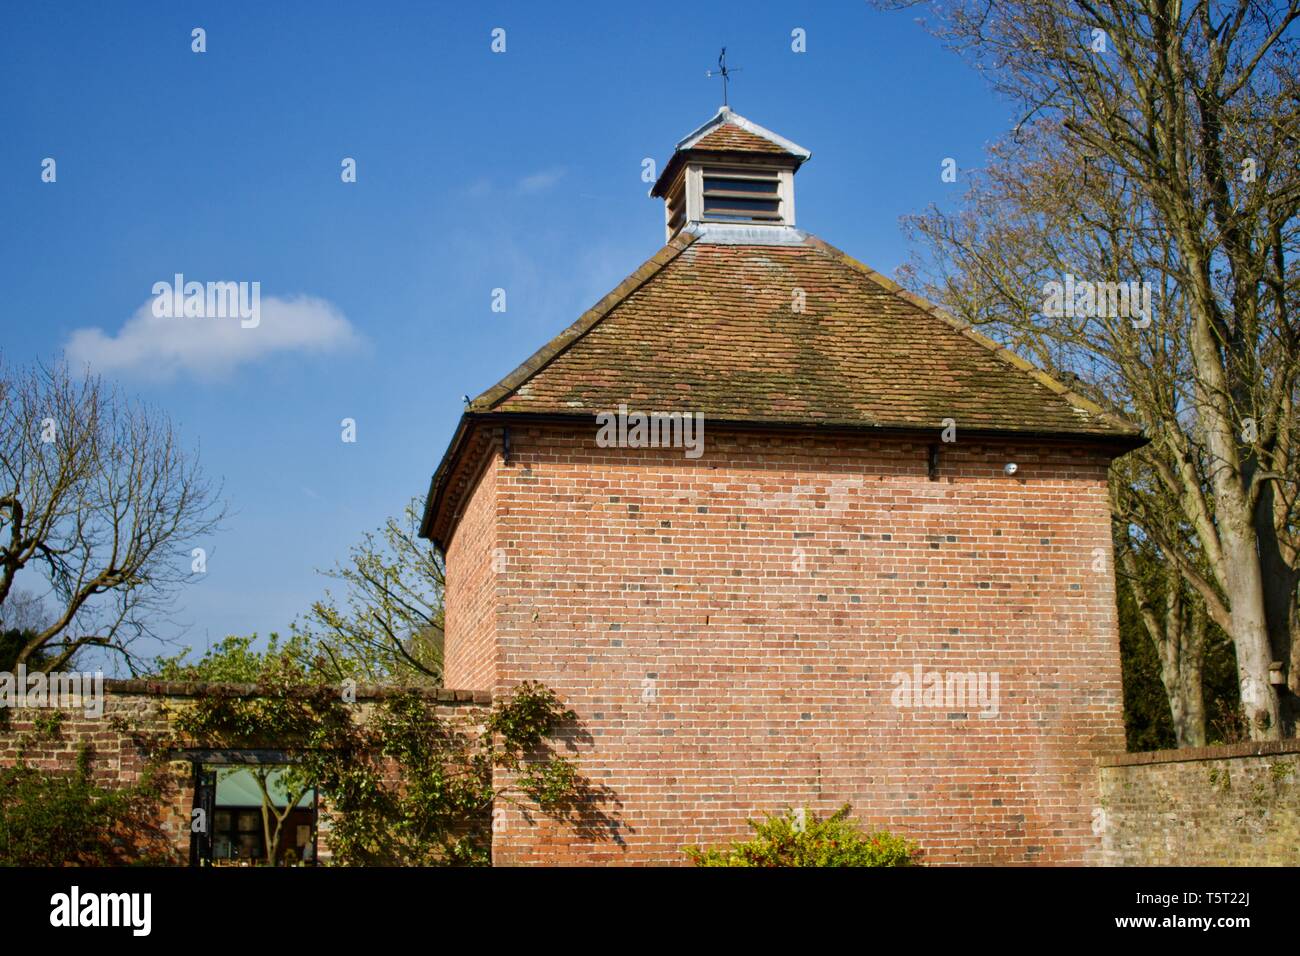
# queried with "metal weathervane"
point(725, 72)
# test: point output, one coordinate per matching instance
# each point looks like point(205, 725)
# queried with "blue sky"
point(475, 171)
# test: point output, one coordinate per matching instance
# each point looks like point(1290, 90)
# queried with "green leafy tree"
point(23, 616)
point(12, 642)
point(236, 660)
point(387, 624)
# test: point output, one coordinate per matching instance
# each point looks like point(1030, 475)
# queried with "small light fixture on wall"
point(1010, 468)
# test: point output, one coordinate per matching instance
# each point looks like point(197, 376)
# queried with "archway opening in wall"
point(251, 808)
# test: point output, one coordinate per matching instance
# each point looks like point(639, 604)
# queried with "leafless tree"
point(99, 498)
point(1157, 140)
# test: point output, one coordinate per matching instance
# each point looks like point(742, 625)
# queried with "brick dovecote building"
point(740, 631)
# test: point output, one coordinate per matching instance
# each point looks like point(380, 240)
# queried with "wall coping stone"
point(172, 688)
point(1250, 748)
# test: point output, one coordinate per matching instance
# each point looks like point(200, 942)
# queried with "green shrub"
point(62, 818)
point(786, 840)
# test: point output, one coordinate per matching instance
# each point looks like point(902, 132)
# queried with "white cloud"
point(163, 349)
point(540, 181)
point(531, 185)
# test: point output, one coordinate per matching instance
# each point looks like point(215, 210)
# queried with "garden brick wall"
point(135, 724)
point(119, 742)
point(727, 630)
point(1233, 805)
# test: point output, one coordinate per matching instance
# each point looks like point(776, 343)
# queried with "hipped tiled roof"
point(714, 328)
point(733, 138)
point(711, 327)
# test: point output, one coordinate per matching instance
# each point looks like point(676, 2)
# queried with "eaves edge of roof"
point(438, 480)
point(1115, 443)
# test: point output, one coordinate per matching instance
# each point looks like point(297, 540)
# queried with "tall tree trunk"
point(1185, 120)
point(1259, 702)
point(1182, 664)
point(1280, 584)
point(1179, 647)
point(1182, 658)
point(1240, 572)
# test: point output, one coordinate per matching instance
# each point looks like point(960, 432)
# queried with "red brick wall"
point(728, 630)
point(137, 719)
point(471, 600)
point(118, 743)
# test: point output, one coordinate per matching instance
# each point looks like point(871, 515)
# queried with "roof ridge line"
point(964, 328)
point(561, 343)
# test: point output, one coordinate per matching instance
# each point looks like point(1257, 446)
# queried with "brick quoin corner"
point(728, 627)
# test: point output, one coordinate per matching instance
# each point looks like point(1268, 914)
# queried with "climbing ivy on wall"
point(403, 784)
point(64, 817)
